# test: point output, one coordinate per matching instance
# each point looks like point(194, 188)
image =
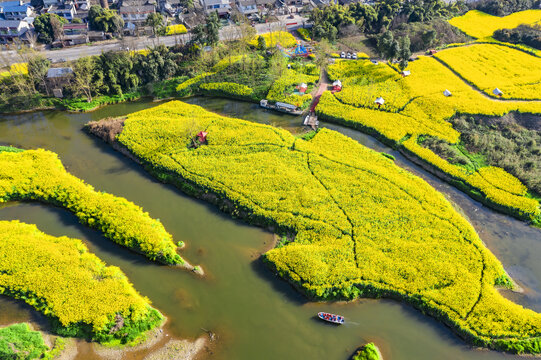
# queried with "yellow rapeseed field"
point(477, 24)
point(38, 175)
point(489, 66)
point(273, 38)
point(425, 113)
point(61, 279)
point(363, 226)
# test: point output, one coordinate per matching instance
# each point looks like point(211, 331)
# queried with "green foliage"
point(38, 175)
point(155, 21)
point(18, 342)
point(405, 241)
point(114, 70)
point(10, 149)
point(106, 20)
point(82, 104)
point(46, 25)
point(529, 35)
point(156, 65)
point(367, 352)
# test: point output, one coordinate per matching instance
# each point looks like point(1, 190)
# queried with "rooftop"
point(59, 72)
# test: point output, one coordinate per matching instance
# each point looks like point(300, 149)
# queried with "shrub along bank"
point(79, 294)
point(363, 227)
point(38, 175)
point(415, 106)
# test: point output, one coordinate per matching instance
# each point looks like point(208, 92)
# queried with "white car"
point(343, 55)
point(348, 56)
point(354, 56)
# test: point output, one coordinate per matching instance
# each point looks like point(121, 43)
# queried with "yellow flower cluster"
point(183, 86)
point(477, 24)
point(226, 61)
point(287, 81)
point(283, 38)
point(489, 66)
point(15, 69)
point(425, 113)
point(364, 227)
point(228, 88)
point(61, 279)
point(495, 183)
point(38, 175)
point(175, 29)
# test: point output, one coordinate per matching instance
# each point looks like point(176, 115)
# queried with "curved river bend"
point(255, 315)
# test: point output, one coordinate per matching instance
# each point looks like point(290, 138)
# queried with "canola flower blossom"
point(363, 226)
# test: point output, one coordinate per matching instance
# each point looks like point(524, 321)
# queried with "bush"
point(18, 342)
point(304, 33)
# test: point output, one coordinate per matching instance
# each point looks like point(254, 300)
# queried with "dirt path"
point(323, 85)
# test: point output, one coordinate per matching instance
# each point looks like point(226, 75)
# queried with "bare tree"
point(83, 73)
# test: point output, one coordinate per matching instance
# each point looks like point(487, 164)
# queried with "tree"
point(104, 20)
point(323, 49)
point(38, 66)
point(212, 29)
point(114, 72)
point(84, 82)
point(155, 21)
point(384, 42)
point(157, 65)
point(404, 53)
point(198, 35)
point(261, 43)
point(47, 29)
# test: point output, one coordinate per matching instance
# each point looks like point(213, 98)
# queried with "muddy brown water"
point(254, 314)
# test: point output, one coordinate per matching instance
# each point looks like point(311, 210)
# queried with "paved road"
point(72, 53)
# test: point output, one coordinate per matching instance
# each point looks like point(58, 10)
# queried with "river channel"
point(254, 314)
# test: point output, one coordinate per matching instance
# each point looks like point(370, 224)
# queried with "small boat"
point(332, 318)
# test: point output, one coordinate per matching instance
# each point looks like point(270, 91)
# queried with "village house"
point(58, 79)
point(16, 10)
point(247, 7)
point(66, 10)
point(13, 30)
point(136, 15)
point(222, 7)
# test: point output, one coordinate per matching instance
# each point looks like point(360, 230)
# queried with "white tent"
point(303, 85)
point(337, 83)
point(497, 92)
point(379, 101)
point(406, 73)
point(447, 93)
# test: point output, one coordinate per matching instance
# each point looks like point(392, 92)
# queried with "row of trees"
point(391, 49)
point(329, 21)
point(505, 7)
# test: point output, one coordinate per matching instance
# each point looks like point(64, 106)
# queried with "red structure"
point(202, 136)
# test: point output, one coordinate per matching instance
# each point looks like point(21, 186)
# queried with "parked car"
point(343, 55)
point(354, 56)
point(348, 56)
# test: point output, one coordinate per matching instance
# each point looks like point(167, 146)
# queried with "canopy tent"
point(406, 73)
point(447, 93)
point(380, 101)
point(497, 92)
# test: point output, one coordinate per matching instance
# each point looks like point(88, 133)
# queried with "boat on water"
point(332, 318)
point(282, 107)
